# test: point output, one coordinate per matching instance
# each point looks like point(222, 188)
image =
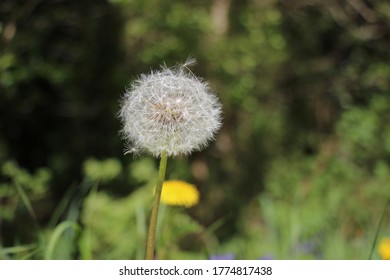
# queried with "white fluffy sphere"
point(169, 111)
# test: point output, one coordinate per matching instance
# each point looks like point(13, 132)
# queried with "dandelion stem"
point(151, 240)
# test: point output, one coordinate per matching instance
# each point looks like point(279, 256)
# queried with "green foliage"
point(21, 185)
point(365, 132)
point(313, 210)
point(109, 221)
point(102, 171)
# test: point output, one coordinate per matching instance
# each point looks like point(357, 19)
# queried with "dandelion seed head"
point(169, 110)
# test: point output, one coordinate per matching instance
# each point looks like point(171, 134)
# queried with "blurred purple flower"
point(311, 247)
point(227, 256)
point(267, 257)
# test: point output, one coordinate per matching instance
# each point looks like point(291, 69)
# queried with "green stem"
point(151, 240)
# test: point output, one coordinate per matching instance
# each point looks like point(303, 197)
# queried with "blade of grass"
point(6, 252)
point(64, 202)
point(86, 242)
point(26, 201)
point(378, 229)
point(141, 229)
point(208, 234)
point(55, 237)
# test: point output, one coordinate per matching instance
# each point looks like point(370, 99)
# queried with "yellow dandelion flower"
point(384, 248)
point(179, 193)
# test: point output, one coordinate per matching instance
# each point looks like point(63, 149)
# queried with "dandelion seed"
point(169, 111)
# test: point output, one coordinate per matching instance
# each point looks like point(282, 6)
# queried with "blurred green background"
point(299, 170)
